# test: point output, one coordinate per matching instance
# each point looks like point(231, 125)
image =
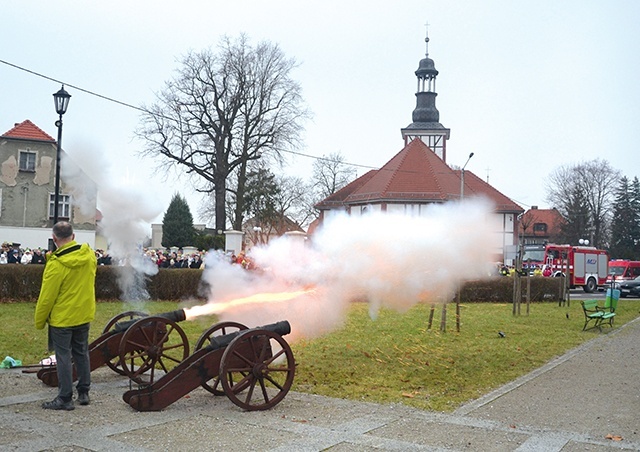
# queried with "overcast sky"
point(525, 85)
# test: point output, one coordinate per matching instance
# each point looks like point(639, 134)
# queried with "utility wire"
point(125, 104)
point(110, 99)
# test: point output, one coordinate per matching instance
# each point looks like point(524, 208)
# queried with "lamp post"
point(258, 231)
point(61, 100)
point(462, 177)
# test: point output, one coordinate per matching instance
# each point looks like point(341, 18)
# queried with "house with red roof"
point(27, 190)
point(541, 226)
point(419, 175)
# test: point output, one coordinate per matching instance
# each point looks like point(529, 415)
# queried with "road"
point(579, 294)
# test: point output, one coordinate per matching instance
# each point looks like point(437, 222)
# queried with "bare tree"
point(294, 200)
point(275, 202)
point(594, 184)
point(222, 110)
point(330, 174)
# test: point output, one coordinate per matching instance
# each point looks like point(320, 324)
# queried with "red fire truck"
point(623, 270)
point(587, 265)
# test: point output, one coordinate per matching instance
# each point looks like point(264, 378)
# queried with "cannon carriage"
point(135, 345)
point(253, 367)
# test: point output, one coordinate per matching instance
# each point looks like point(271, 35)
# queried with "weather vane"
point(426, 39)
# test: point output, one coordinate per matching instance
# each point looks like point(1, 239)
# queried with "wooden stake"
point(431, 312)
point(443, 319)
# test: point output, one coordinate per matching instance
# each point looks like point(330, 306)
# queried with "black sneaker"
point(83, 398)
point(58, 404)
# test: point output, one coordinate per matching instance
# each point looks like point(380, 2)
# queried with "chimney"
point(534, 207)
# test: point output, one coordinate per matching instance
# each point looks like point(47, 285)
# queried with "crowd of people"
point(13, 253)
point(175, 259)
point(534, 270)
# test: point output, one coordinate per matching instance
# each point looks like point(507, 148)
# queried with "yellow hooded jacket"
point(68, 294)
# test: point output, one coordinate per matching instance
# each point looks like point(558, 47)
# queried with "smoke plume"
point(386, 260)
point(126, 213)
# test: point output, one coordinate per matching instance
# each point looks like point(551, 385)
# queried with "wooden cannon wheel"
point(252, 375)
point(114, 363)
point(150, 344)
point(219, 329)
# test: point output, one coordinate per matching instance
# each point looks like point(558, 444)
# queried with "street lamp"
point(258, 233)
point(462, 177)
point(61, 100)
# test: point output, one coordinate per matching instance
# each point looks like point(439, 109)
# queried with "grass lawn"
point(397, 359)
point(20, 339)
point(393, 359)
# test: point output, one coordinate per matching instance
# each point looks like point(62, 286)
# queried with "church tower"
point(426, 125)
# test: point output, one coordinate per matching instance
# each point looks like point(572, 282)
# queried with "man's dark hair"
point(62, 230)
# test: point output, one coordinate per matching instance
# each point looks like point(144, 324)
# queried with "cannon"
point(136, 345)
point(254, 368)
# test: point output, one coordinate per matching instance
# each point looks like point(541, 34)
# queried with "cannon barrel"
point(282, 328)
point(177, 316)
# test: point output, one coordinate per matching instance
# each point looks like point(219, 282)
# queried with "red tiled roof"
point(338, 198)
point(551, 217)
point(26, 130)
point(416, 174)
point(477, 186)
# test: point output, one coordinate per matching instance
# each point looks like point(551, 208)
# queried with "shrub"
point(500, 288)
point(22, 283)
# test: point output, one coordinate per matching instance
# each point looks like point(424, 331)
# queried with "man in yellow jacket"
point(67, 302)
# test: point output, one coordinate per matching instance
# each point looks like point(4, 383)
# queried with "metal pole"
point(462, 177)
point(56, 196)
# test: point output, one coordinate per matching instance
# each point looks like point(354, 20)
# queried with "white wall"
point(39, 237)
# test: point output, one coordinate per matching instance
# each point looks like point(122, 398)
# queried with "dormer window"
point(540, 227)
point(27, 161)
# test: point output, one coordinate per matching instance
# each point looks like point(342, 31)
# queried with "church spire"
point(426, 125)
point(426, 110)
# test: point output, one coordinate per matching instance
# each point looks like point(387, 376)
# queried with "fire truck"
point(587, 266)
point(533, 257)
point(623, 270)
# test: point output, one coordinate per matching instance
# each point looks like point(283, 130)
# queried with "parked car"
point(630, 288)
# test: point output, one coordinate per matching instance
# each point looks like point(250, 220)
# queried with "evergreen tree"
point(177, 224)
point(260, 192)
point(635, 213)
point(622, 243)
point(578, 225)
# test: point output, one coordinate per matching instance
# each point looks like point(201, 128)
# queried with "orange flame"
point(260, 298)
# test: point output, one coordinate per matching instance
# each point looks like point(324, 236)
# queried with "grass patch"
point(20, 339)
point(393, 359)
point(396, 359)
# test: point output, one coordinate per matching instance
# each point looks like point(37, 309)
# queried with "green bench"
point(601, 314)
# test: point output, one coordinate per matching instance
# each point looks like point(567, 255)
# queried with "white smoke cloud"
point(126, 211)
point(387, 260)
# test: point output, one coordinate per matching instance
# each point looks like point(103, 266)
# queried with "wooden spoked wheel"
point(114, 363)
point(150, 345)
point(257, 369)
point(219, 329)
